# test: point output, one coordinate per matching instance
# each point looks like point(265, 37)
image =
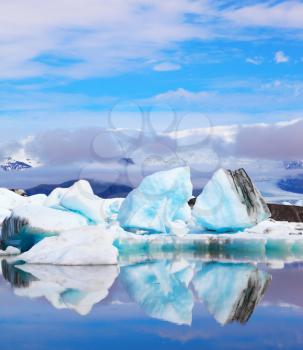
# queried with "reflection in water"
point(77, 288)
point(165, 290)
point(161, 289)
point(230, 291)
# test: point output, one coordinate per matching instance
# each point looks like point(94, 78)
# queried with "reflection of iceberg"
point(161, 289)
point(65, 287)
point(230, 291)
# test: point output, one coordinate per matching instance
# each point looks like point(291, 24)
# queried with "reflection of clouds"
point(65, 287)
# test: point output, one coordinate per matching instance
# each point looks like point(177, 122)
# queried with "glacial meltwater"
point(176, 303)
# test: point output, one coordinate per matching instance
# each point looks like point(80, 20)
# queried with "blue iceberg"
point(160, 203)
point(230, 202)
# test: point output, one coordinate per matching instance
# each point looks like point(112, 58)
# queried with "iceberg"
point(81, 199)
point(91, 245)
point(77, 288)
point(230, 291)
point(4, 213)
point(159, 203)
point(161, 289)
point(29, 223)
point(10, 199)
point(230, 202)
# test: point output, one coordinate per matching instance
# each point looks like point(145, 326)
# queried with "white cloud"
point(256, 60)
point(84, 38)
point(280, 57)
point(183, 94)
point(94, 37)
point(166, 66)
point(285, 14)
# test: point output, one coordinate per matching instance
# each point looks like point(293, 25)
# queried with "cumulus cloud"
point(280, 57)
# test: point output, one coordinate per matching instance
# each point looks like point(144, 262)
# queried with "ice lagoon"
point(187, 302)
point(148, 271)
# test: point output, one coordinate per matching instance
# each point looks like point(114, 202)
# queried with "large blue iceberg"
point(160, 203)
point(230, 202)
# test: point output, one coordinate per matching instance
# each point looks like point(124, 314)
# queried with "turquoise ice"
point(160, 203)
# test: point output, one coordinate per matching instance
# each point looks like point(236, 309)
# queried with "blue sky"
point(71, 64)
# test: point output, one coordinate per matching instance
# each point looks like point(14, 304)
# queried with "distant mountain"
point(102, 189)
point(11, 164)
point(293, 164)
point(292, 184)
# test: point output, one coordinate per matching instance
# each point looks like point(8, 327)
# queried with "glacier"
point(159, 203)
point(230, 202)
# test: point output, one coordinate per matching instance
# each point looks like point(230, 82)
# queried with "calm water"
point(153, 305)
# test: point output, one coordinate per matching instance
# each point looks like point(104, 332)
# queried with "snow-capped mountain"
point(11, 164)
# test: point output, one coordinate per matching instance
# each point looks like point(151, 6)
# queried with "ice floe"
point(86, 246)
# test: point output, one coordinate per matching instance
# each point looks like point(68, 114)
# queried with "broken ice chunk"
point(159, 204)
point(80, 198)
point(28, 224)
point(230, 202)
point(91, 245)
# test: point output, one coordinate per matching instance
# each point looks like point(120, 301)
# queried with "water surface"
point(163, 304)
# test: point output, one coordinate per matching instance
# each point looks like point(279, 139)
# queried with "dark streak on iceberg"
point(12, 226)
point(247, 192)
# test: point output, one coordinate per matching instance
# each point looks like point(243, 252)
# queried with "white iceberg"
point(160, 203)
point(4, 213)
point(9, 251)
point(76, 288)
point(161, 290)
point(81, 199)
point(28, 224)
point(10, 199)
point(230, 291)
point(230, 202)
point(91, 245)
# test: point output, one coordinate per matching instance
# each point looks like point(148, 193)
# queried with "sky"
point(158, 66)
